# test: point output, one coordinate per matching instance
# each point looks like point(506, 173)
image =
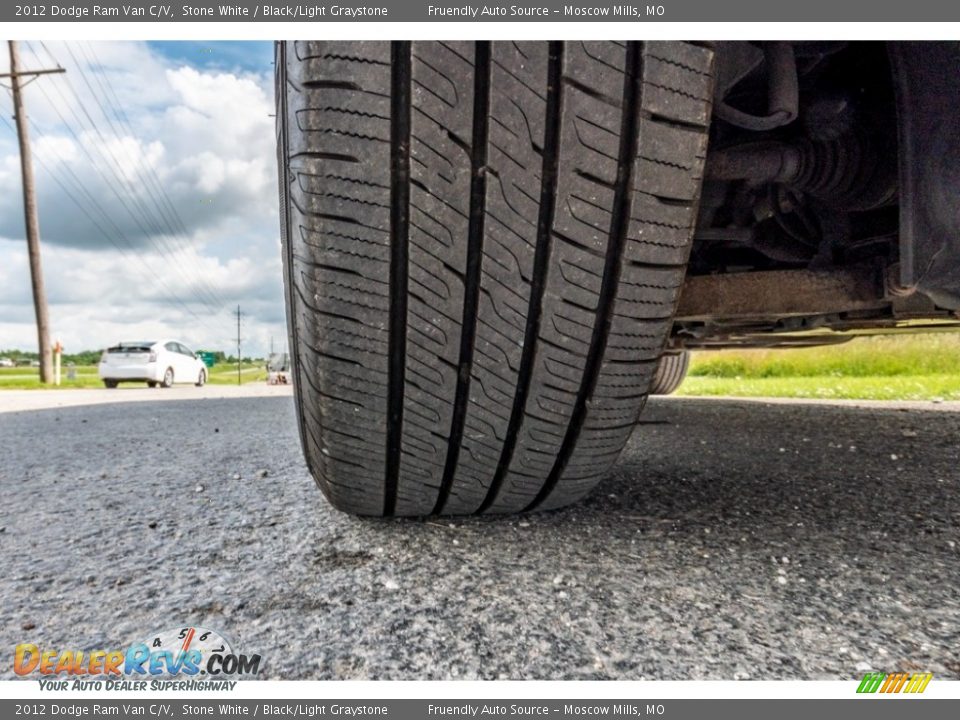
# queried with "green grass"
point(226, 375)
point(905, 367)
point(901, 387)
point(28, 378)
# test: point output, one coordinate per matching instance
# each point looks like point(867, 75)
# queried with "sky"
point(156, 181)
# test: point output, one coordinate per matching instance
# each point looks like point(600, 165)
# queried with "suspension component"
point(845, 173)
point(783, 94)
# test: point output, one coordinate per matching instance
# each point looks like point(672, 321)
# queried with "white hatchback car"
point(162, 362)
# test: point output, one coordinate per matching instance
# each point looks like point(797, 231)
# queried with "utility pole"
point(31, 221)
point(238, 345)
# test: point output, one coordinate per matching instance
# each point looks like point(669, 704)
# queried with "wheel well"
point(799, 221)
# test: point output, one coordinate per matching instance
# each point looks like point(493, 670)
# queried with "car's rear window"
point(131, 347)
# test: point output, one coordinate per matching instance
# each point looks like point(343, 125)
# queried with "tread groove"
point(548, 198)
point(472, 275)
point(548, 193)
point(619, 224)
point(400, 79)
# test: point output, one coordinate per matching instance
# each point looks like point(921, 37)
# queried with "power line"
point(125, 121)
point(100, 173)
point(166, 211)
point(92, 202)
point(139, 213)
point(119, 197)
point(158, 226)
point(160, 222)
point(110, 96)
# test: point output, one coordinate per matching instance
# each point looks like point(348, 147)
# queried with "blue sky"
point(156, 181)
point(231, 56)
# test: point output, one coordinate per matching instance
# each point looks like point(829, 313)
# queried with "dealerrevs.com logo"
point(174, 659)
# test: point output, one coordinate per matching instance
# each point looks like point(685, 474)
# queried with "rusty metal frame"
point(781, 293)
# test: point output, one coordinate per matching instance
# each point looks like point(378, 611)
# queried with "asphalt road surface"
point(733, 540)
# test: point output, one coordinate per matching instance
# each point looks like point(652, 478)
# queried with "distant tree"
point(85, 357)
point(15, 354)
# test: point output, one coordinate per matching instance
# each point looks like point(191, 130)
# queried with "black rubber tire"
point(201, 379)
point(110, 384)
point(671, 371)
point(151, 383)
point(168, 378)
point(483, 248)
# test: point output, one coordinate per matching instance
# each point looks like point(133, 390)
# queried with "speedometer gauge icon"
point(188, 646)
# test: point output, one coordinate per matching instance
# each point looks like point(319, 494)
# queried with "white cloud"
point(206, 137)
point(48, 149)
point(97, 299)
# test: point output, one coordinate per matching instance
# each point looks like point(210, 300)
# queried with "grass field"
point(905, 367)
point(26, 378)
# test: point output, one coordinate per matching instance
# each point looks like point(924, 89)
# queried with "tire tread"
point(484, 246)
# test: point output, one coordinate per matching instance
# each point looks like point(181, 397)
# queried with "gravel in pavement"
point(733, 540)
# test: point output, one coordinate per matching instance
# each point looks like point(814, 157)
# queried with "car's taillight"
point(153, 357)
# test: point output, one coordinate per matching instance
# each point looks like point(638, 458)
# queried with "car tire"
point(483, 248)
point(151, 383)
point(167, 381)
point(110, 384)
point(202, 379)
point(671, 371)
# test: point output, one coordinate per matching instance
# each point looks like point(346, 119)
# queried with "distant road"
point(39, 399)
